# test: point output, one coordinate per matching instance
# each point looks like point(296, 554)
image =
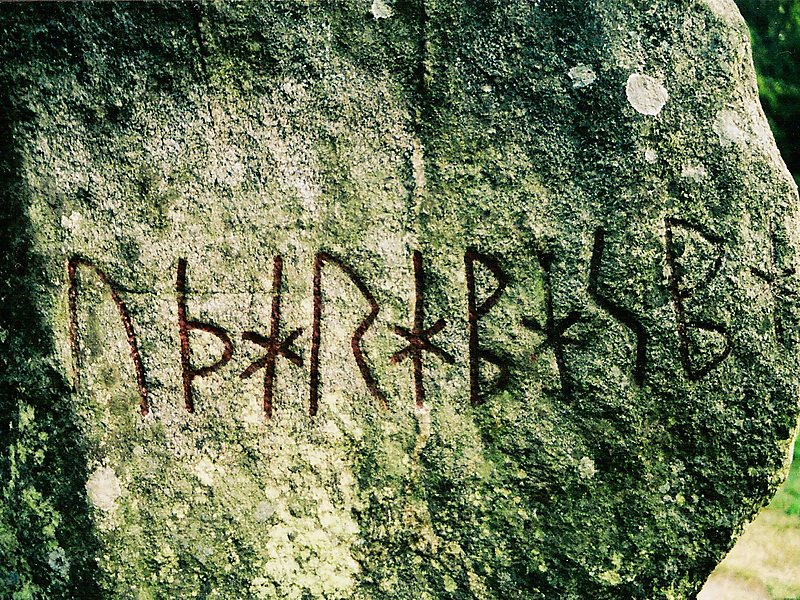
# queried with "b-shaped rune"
point(554, 330)
point(274, 345)
point(475, 312)
point(696, 363)
point(419, 337)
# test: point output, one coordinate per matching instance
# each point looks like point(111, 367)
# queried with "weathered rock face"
point(388, 300)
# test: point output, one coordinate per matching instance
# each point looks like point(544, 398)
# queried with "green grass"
point(765, 562)
point(788, 497)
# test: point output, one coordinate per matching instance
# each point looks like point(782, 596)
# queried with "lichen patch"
point(57, 560)
point(204, 471)
point(264, 510)
point(646, 94)
point(381, 10)
point(582, 76)
point(103, 489)
point(727, 127)
point(694, 172)
point(586, 468)
point(72, 222)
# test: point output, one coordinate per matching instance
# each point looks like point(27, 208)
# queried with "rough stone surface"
point(471, 299)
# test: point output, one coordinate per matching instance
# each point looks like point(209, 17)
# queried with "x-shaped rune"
point(554, 331)
point(419, 337)
point(273, 344)
point(274, 348)
point(419, 340)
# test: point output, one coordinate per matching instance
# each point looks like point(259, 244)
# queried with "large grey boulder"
point(375, 299)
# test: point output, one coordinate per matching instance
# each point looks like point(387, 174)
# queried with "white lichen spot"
point(103, 489)
point(333, 432)
point(204, 471)
point(586, 468)
point(727, 127)
point(73, 222)
point(381, 10)
point(582, 76)
point(646, 94)
point(651, 156)
point(264, 510)
point(57, 559)
point(694, 172)
point(388, 246)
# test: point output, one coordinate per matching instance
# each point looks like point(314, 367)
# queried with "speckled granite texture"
point(387, 299)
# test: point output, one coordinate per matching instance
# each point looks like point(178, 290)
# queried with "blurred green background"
point(765, 563)
point(775, 33)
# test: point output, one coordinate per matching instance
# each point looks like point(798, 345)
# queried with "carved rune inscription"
point(273, 344)
point(620, 313)
point(682, 293)
point(185, 325)
point(127, 323)
point(475, 312)
point(556, 331)
point(322, 259)
point(781, 281)
point(419, 337)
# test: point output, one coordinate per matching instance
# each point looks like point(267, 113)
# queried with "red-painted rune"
point(274, 345)
point(419, 337)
